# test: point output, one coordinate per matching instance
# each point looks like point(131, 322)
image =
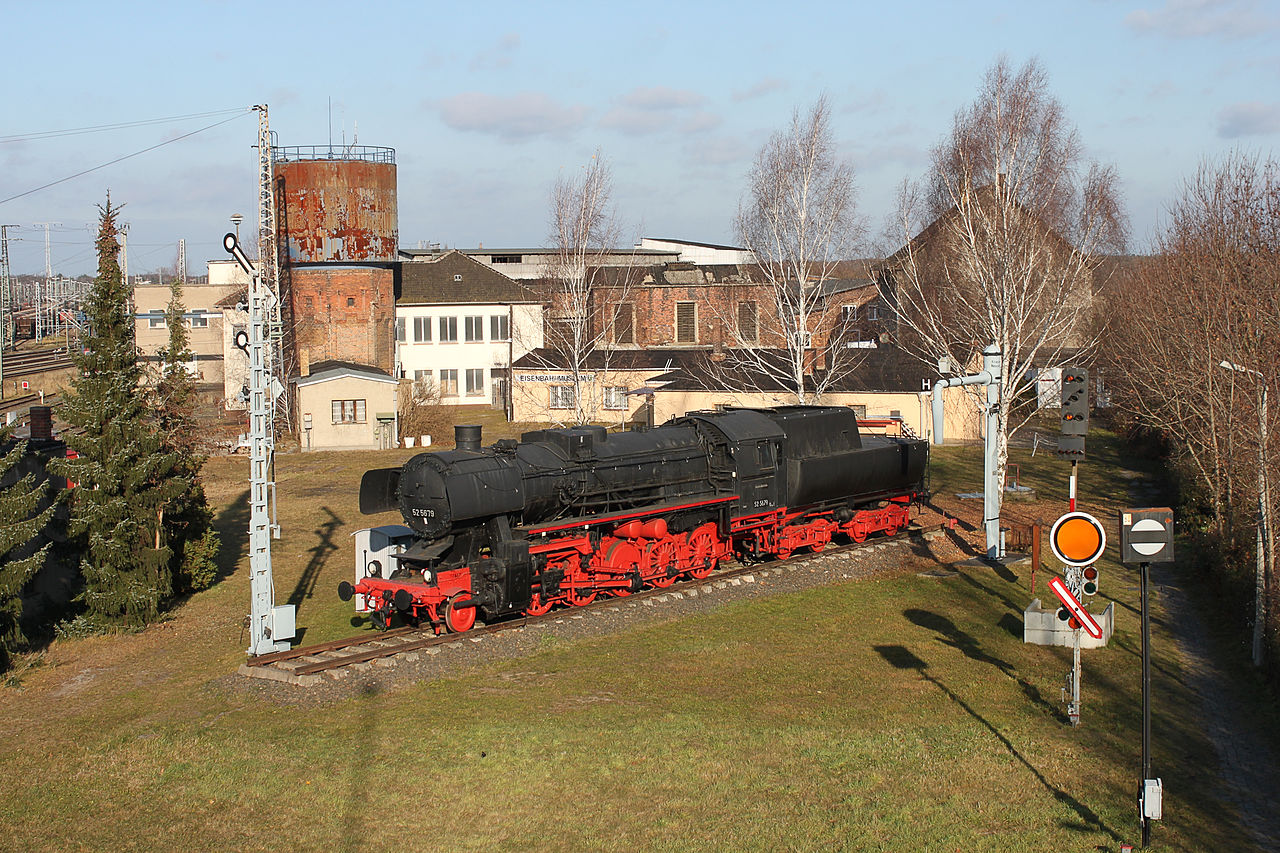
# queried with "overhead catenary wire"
point(124, 157)
point(99, 128)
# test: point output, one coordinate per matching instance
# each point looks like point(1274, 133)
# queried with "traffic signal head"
point(1075, 401)
point(1089, 586)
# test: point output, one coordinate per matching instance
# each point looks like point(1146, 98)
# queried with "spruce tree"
point(116, 510)
point(21, 520)
point(186, 519)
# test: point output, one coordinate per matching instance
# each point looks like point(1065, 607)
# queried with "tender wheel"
point(458, 619)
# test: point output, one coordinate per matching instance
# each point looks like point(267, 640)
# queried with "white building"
point(460, 325)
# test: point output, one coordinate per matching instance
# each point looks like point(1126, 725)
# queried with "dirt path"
point(1249, 773)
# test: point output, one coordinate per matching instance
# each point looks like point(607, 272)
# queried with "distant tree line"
point(1193, 348)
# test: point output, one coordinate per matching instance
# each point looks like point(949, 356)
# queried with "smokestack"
point(42, 423)
point(467, 436)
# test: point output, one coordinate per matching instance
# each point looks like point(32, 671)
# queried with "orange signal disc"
point(1077, 539)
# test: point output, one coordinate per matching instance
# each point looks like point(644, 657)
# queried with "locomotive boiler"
point(565, 515)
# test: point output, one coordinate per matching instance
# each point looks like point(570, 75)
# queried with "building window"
point(507, 259)
point(475, 382)
point(499, 327)
point(859, 410)
point(562, 397)
point(449, 330)
point(348, 411)
point(624, 324)
point(457, 277)
point(615, 397)
point(686, 323)
point(848, 313)
point(873, 313)
point(448, 383)
point(351, 302)
point(748, 321)
point(155, 320)
point(422, 375)
point(399, 330)
point(422, 330)
point(310, 302)
point(473, 329)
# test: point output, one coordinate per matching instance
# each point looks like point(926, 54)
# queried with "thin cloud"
point(498, 56)
point(1251, 118)
point(766, 86)
point(511, 118)
point(1225, 19)
point(660, 98)
point(655, 109)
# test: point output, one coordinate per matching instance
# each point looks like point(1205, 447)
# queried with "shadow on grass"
point(969, 647)
point(232, 524)
point(306, 585)
point(900, 657)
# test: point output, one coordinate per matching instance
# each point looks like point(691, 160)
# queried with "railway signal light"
point(1089, 585)
point(1075, 401)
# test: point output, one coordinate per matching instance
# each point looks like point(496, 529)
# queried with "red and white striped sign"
point(1075, 608)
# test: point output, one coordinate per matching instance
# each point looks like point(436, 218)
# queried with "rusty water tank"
point(336, 203)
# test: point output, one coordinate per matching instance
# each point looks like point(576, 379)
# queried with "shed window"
point(562, 397)
point(348, 411)
point(624, 326)
point(748, 321)
point(686, 323)
point(615, 397)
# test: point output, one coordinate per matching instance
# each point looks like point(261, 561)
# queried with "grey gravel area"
point(390, 674)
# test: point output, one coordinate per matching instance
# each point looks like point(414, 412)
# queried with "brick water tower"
point(338, 233)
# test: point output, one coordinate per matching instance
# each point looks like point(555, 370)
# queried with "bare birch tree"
point(1017, 224)
point(584, 229)
point(799, 221)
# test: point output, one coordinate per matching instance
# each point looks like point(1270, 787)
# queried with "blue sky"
point(487, 103)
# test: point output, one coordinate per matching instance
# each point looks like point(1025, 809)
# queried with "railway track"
point(29, 363)
point(307, 666)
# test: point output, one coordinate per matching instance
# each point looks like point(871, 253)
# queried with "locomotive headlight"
point(426, 576)
point(374, 569)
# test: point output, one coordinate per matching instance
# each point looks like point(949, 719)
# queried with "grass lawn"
point(889, 714)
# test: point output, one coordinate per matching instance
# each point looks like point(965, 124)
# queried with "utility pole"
point(6, 299)
point(182, 261)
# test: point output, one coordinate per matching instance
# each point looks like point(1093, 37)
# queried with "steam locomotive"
point(565, 515)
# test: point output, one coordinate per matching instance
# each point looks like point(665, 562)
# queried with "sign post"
point(1078, 540)
point(1146, 537)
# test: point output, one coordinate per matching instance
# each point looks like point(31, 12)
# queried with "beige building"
point(343, 406)
point(202, 316)
point(886, 385)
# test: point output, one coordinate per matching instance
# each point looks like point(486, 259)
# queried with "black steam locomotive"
point(565, 515)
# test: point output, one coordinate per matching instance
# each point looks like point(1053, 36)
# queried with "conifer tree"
point(21, 520)
point(185, 521)
point(116, 509)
